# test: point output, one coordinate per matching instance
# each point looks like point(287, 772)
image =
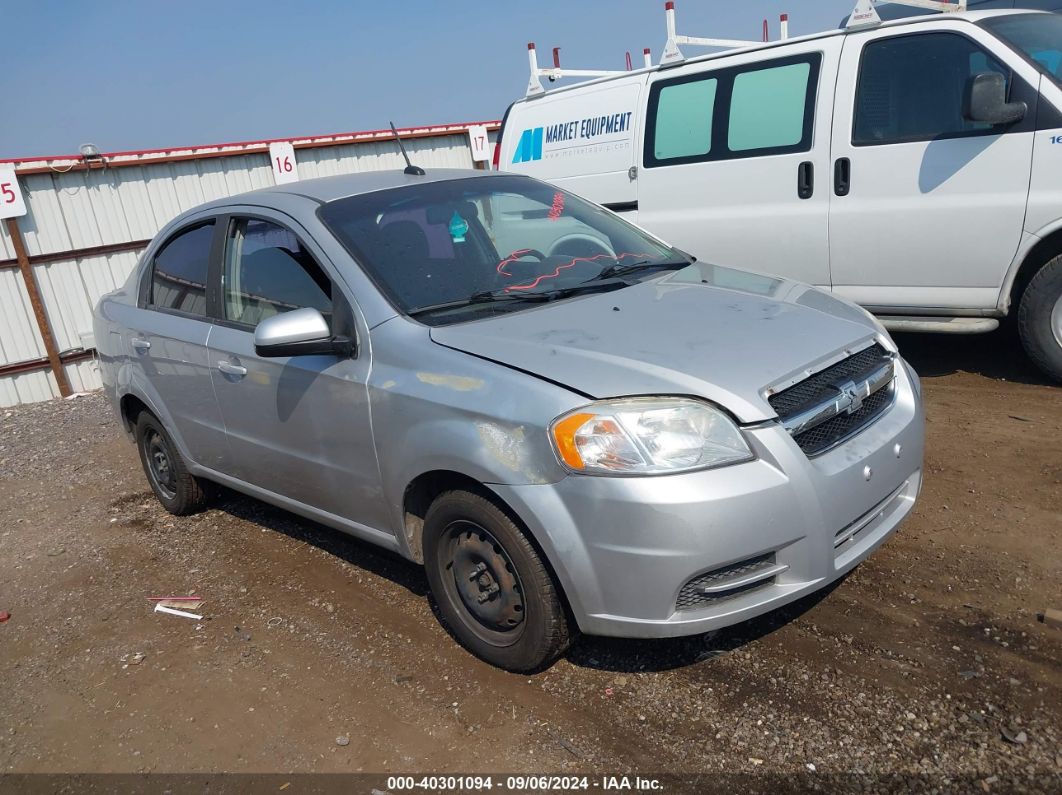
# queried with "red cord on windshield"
point(556, 272)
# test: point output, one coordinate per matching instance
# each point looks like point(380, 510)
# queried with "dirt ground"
point(927, 661)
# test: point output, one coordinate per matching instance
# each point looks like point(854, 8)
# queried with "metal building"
point(89, 219)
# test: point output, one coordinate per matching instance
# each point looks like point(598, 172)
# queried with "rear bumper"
point(623, 548)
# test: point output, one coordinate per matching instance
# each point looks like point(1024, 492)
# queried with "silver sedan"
point(572, 425)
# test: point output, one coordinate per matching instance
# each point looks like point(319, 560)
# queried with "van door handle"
point(232, 369)
point(139, 344)
point(842, 176)
point(806, 179)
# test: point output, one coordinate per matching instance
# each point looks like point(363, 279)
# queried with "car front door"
point(169, 341)
point(297, 426)
point(929, 206)
point(735, 159)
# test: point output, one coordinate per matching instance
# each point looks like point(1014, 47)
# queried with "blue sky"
point(137, 75)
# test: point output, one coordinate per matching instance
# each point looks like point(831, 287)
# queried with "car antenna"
point(416, 171)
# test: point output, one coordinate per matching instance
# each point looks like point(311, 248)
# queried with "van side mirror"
point(986, 100)
point(301, 332)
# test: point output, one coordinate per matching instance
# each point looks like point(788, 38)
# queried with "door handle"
point(806, 179)
point(232, 369)
point(139, 344)
point(842, 176)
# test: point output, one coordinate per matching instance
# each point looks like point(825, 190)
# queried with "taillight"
point(498, 144)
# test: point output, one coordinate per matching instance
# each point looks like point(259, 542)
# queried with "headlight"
point(647, 436)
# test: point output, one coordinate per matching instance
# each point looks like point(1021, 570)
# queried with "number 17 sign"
point(480, 143)
point(12, 204)
point(282, 157)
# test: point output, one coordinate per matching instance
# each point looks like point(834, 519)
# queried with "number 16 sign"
point(12, 204)
point(282, 157)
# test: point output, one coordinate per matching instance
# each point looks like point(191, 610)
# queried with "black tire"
point(180, 492)
point(494, 592)
point(1041, 300)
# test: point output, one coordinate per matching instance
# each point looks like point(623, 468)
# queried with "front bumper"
point(623, 548)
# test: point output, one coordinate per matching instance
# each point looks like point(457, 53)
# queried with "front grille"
point(691, 596)
point(822, 387)
point(821, 437)
point(819, 387)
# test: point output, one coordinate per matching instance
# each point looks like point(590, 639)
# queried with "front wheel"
point(493, 589)
point(1040, 319)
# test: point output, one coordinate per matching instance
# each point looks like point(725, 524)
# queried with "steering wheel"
point(520, 253)
point(517, 255)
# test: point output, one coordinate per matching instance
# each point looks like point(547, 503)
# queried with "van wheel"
point(180, 492)
point(1040, 319)
point(494, 592)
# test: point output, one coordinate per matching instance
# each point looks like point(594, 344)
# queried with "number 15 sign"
point(282, 157)
point(12, 204)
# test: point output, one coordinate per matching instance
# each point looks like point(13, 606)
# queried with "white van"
point(913, 166)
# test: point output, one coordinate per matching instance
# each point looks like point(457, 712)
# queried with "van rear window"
point(765, 108)
point(683, 123)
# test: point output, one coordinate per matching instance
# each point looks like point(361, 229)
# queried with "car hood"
point(725, 335)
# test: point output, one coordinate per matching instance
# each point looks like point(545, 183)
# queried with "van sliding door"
point(735, 159)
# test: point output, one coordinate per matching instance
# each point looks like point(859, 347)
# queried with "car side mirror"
point(301, 332)
point(986, 100)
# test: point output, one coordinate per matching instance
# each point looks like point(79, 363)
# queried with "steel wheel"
point(160, 465)
point(481, 576)
point(1056, 321)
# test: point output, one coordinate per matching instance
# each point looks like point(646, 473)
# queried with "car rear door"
point(735, 159)
point(168, 341)
point(929, 206)
point(297, 426)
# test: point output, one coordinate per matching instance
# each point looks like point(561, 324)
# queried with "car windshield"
point(450, 251)
point(1036, 36)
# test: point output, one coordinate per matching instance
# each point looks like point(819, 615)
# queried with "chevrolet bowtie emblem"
point(852, 395)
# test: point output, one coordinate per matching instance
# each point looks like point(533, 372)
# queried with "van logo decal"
point(530, 146)
point(577, 136)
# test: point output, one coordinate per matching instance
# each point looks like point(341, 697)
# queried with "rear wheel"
point(494, 591)
point(1040, 318)
point(180, 492)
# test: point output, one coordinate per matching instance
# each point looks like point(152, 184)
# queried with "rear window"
point(179, 272)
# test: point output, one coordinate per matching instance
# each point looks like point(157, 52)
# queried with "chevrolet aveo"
point(572, 425)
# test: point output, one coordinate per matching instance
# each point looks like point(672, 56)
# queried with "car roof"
point(326, 189)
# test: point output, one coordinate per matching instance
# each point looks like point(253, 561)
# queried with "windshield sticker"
point(458, 228)
point(557, 207)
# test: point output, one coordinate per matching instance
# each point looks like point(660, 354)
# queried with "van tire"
point(180, 492)
point(510, 615)
point(1042, 301)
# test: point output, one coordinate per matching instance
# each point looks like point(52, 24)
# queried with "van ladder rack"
point(672, 53)
point(555, 73)
point(864, 15)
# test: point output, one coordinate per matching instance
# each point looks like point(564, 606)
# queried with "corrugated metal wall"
point(105, 206)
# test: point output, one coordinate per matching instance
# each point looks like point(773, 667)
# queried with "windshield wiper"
point(484, 297)
point(619, 269)
point(509, 295)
